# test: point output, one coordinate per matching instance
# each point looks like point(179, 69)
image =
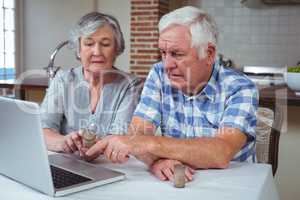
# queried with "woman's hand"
point(59, 143)
point(71, 143)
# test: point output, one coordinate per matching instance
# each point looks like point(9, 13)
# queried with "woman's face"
point(98, 50)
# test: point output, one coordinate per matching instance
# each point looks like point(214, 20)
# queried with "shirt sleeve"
point(149, 107)
point(125, 108)
point(240, 110)
point(52, 105)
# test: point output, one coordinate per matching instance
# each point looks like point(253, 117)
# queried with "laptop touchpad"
point(72, 163)
point(69, 162)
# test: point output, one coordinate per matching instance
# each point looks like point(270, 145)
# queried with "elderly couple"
point(205, 111)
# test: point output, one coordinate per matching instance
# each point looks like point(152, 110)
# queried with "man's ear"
point(211, 53)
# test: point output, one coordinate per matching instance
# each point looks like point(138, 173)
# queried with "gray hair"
point(89, 23)
point(202, 27)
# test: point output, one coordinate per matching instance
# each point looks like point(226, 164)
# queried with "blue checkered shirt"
point(229, 99)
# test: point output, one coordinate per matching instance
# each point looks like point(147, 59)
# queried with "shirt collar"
point(210, 90)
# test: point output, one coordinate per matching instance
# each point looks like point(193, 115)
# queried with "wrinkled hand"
point(164, 170)
point(116, 148)
point(71, 143)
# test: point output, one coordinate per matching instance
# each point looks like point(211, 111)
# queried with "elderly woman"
point(95, 95)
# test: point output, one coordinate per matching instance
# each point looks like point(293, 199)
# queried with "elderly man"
point(206, 112)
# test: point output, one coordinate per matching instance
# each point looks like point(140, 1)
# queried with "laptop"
point(24, 157)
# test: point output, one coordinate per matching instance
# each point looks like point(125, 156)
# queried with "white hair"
point(89, 24)
point(202, 26)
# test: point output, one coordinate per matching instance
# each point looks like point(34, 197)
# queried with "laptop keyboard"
point(63, 178)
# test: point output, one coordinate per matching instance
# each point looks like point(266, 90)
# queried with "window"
point(7, 39)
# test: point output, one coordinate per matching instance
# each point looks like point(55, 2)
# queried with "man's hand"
point(164, 170)
point(116, 148)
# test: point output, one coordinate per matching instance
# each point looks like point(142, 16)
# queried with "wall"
point(144, 50)
point(264, 35)
point(47, 23)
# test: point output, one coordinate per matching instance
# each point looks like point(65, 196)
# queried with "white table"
point(241, 181)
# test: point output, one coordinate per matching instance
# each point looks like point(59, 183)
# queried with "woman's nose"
point(97, 49)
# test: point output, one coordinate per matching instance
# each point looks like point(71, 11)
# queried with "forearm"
point(139, 129)
point(198, 153)
point(147, 158)
point(52, 139)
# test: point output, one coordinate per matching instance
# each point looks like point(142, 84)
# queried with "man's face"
point(184, 68)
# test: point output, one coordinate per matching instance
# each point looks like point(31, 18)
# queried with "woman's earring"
point(78, 56)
